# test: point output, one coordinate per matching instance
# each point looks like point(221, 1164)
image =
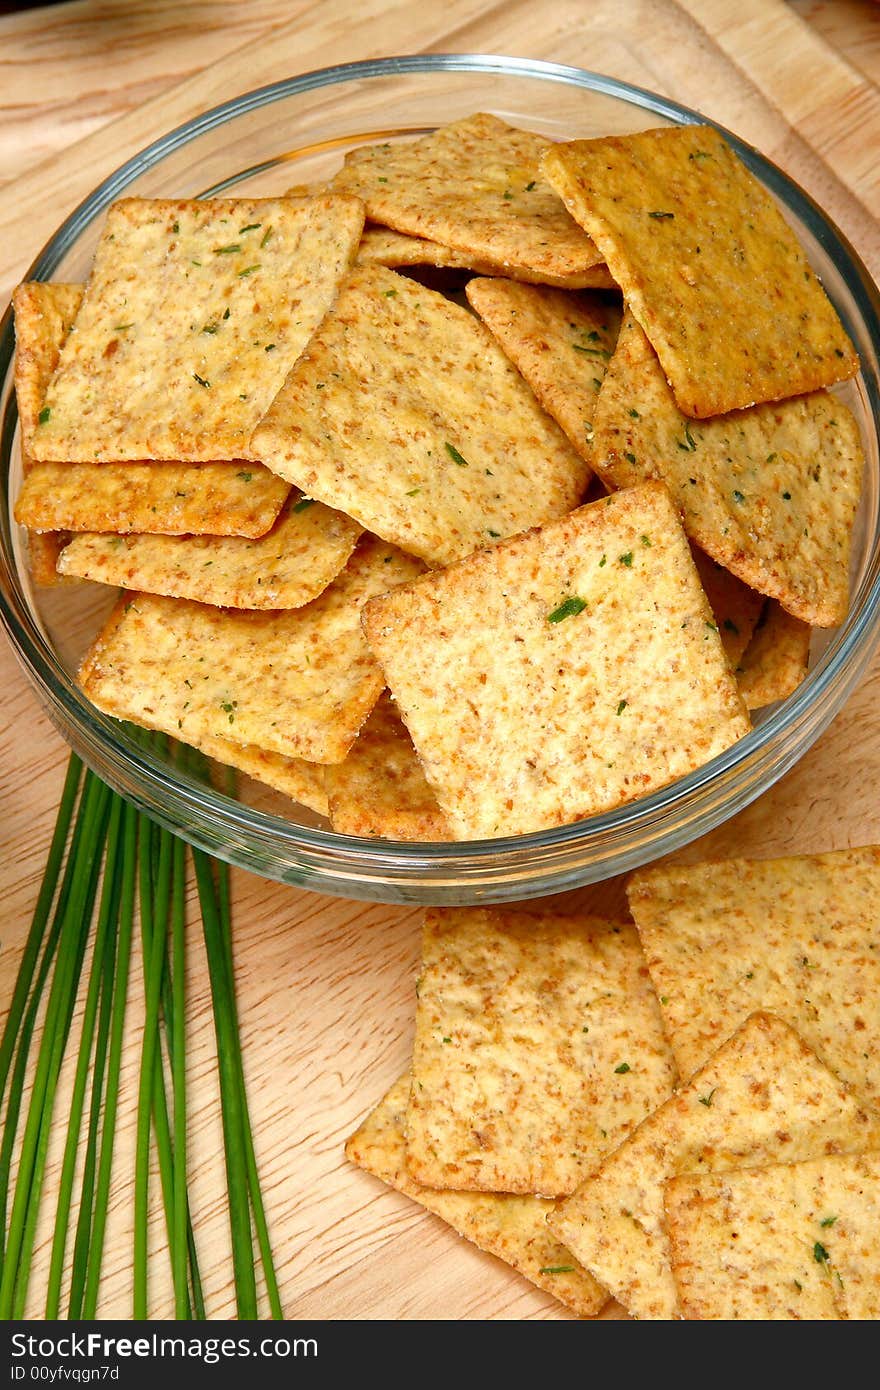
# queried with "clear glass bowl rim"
point(180, 800)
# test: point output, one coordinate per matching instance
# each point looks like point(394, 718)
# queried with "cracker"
point(776, 660)
point(796, 936)
point(708, 265)
point(382, 246)
point(763, 1096)
point(171, 499)
point(787, 1241)
point(380, 789)
point(769, 493)
point(43, 314)
point(736, 607)
point(304, 552)
point(474, 185)
point(294, 777)
point(512, 1228)
point(405, 413)
point(538, 1047)
point(561, 342)
point(192, 317)
point(298, 682)
point(561, 673)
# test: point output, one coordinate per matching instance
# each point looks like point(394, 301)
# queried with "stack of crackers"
point(318, 472)
point(681, 1115)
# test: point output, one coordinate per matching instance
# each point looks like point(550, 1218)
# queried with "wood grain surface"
point(326, 985)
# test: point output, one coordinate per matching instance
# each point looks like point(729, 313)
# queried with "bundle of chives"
point(109, 845)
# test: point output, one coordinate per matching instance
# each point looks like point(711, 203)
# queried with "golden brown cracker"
point(777, 658)
point(194, 313)
point(735, 606)
point(382, 246)
point(769, 493)
point(796, 936)
point(762, 1097)
point(708, 265)
point(512, 1228)
point(539, 1046)
point(405, 413)
point(474, 185)
point(561, 673)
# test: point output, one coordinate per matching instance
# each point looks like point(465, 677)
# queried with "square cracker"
point(561, 342)
point(405, 413)
point(192, 317)
point(294, 777)
point(512, 1228)
point(171, 498)
point(769, 493)
point(379, 788)
point(796, 936)
point(474, 185)
point(538, 1047)
point(735, 606)
point(42, 314)
point(288, 567)
point(298, 682)
point(762, 1097)
point(560, 673)
point(708, 265)
point(382, 246)
point(786, 1241)
point(777, 658)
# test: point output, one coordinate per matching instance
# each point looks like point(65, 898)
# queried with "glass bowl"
point(296, 132)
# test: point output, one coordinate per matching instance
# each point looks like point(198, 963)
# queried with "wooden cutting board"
point(326, 986)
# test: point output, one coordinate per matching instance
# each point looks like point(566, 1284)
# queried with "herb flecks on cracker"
point(707, 264)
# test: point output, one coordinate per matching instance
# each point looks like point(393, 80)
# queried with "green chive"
point(455, 455)
point(568, 608)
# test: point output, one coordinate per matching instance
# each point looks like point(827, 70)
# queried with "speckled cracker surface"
point(538, 1047)
point(798, 936)
point(561, 342)
point(176, 499)
point(512, 1228)
point(382, 246)
point(192, 317)
point(777, 658)
point(735, 606)
point(474, 185)
point(294, 777)
point(796, 1241)
point(769, 493)
point(298, 682)
point(561, 673)
point(708, 265)
point(43, 315)
point(405, 413)
point(288, 567)
point(763, 1096)
point(379, 788)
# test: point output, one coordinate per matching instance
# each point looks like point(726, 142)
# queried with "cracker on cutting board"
point(561, 342)
point(797, 936)
point(788, 1241)
point(193, 315)
point(769, 493)
point(299, 682)
point(708, 265)
point(735, 606)
point(538, 1047)
point(777, 658)
point(379, 788)
point(510, 1227)
point(763, 1097)
point(288, 567)
point(474, 185)
point(404, 412)
point(43, 314)
point(382, 246)
point(560, 673)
